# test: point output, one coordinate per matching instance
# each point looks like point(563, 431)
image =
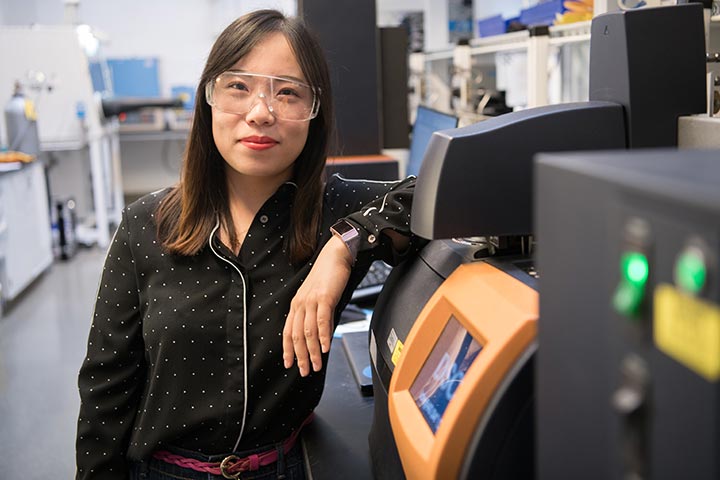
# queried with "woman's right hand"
point(308, 327)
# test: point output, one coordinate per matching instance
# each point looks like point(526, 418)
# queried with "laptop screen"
point(427, 121)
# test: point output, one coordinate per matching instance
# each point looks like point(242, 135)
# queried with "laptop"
point(427, 122)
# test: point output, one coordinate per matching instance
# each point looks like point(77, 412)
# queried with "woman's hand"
point(308, 328)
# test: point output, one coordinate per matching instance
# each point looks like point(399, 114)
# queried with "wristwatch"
point(348, 234)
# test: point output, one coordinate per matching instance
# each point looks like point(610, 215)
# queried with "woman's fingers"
point(306, 336)
point(288, 349)
point(310, 331)
point(324, 326)
point(298, 342)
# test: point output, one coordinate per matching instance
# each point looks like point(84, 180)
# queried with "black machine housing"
point(594, 358)
point(477, 181)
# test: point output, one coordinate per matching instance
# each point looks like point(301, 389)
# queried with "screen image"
point(442, 372)
point(427, 121)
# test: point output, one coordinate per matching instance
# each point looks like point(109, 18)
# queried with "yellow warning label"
point(688, 329)
point(396, 352)
point(30, 112)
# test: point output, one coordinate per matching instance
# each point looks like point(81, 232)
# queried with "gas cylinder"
point(21, 122)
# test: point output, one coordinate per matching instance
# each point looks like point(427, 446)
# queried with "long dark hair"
point(187, 215)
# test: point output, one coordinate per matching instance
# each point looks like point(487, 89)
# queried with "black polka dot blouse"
point(187, 350)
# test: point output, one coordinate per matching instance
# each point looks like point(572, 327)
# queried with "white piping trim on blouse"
point(371, 209)
point(245, 375)
point(382, 207)
point(365, 180)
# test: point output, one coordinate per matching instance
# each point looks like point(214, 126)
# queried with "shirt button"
point(264, 219)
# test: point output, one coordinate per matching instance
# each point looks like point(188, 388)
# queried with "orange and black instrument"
point(468, 353)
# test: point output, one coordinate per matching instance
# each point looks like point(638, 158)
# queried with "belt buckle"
point(227, 463)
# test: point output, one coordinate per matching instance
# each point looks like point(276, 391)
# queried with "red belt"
point(232, 466)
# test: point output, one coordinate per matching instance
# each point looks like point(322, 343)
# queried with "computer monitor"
point(427, 121)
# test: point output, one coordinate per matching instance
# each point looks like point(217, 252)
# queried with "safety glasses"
point(285, 98)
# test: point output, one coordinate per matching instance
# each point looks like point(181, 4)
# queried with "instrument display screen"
point(442, 372)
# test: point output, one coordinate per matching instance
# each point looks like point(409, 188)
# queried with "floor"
point(43, 336)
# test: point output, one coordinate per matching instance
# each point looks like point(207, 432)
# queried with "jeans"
point(289, 467)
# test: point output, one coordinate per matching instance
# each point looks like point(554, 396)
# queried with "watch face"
point(349, 235)
point(343, 227)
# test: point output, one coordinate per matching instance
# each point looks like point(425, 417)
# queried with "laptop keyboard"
point(373, 281)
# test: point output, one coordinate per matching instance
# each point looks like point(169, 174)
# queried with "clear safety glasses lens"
point(286, 99)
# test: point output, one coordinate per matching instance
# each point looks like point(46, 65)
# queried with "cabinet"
point(25, 236)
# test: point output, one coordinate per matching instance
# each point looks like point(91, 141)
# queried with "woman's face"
point(257, 144)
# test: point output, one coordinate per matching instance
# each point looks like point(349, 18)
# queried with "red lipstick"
point(255, 142)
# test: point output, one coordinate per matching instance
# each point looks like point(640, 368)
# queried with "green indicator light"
point(630, 292)
point(690, 271)
point(634, 267)
point(628, 298)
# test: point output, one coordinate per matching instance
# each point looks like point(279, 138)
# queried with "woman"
point(215, 309)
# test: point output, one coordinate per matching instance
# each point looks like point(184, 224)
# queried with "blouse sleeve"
point(389, 210)
point(111, 376)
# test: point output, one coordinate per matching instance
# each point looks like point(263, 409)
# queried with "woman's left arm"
point(384, 222)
